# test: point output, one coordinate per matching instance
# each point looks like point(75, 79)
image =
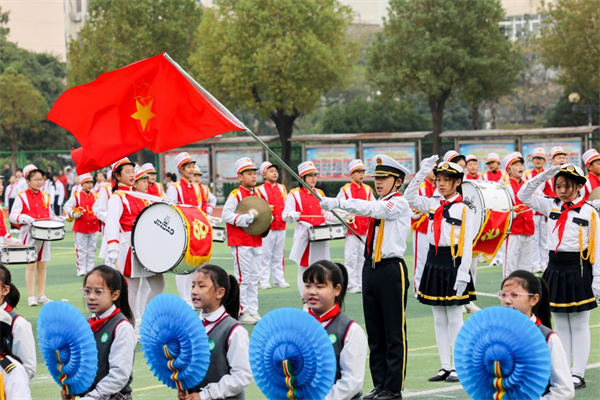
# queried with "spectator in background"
point(70, 176)
point(170, 178)
point(6, 174)
point(10, 194)
point(59, 194)
point(75, 187)
point(49, 187)
point(100, 180)
point(63, 179)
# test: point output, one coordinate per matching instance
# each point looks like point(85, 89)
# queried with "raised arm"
point(527, 193)
point(411, 194)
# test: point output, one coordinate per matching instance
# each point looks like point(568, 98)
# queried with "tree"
point(570, 42)
point(121, 32)
point(437, 48)
point(22, 109)
point(275, 57)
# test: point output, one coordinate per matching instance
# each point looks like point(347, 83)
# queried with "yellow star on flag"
point(143, 113)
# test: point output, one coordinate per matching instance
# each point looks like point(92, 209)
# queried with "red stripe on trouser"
point(305, 256)
point(76, 253)
point(505, 257)
point(416, 258)
point(39, 258)
point(127, 270)
point(237, 260)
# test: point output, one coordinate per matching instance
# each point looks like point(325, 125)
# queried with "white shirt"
point(59, 191)
point(429, 205)
point(21, 184)
point(100, 207)
point(16, 382)
point(238, 357)
point(394, 209)
point(352, 364)
point(10, 192)
point(120, 358)
point(570, 239)
point(23, 345)
point(561, 384)
point(211, 202)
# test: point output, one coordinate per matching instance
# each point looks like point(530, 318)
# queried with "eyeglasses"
point(513, 294)
point(87, 292)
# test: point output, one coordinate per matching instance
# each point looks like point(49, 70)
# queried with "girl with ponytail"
point(529, 294)
point(21, 341)
point(216, 294)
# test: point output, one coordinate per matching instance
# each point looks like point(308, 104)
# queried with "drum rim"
point(476, 185)
point(133, 241)
point(60, 226)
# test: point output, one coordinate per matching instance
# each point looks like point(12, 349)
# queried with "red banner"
point(492, 233)
point(199, 248)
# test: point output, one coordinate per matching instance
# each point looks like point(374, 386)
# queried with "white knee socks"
point(574, 332)
point(447, 322)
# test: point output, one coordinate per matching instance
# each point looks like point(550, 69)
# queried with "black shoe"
point(452, 377)
point(372, 394)
point(581, 384)
point(441, 376)
point(388, 395)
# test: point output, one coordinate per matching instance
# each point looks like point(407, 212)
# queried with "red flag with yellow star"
point(151, 104)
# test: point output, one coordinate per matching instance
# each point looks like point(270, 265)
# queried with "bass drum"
point(484, 196)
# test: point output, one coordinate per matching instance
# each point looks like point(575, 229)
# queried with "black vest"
point(219, 366)
point(337, 331)
point(104, 340)
point(546, 332)
point(14, 316)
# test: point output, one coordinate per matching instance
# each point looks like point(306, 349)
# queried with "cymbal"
point(595, 194)
point(262, 214)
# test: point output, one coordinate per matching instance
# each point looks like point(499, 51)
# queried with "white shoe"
point(264, 286)
point(43, 300)
point(32, 301)
point(471, 308)
point(354, 290)
point(305, 307)
point(281, 285)
point(256, 316)
point(81, 273)
point(246, 319)
point(494, 263)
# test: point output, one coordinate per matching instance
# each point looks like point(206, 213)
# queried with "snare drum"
point(326, 232)
point(16, 254)
point(219, 234)
point(48, 231)
point(159, 238)
point(484, 196)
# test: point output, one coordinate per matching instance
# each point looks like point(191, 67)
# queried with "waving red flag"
point(152, 103)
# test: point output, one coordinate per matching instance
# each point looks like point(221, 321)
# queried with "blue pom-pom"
point(170, 321)
point(62, 328)
point(293, 335)
point(508, 336)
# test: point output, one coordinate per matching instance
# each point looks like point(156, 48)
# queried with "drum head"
point(472, 194)
point(48, 224)
point(159, 238)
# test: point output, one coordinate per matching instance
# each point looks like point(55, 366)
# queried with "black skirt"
point(439, 276)
point(570, 290)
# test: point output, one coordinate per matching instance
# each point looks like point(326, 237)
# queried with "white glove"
point(57, 218)
point(329, 203)
point(111, 258)
point(549, 173)
point(596, 287)
point(26, 219)
point(460, 287)
point(77, 215)
point(244, 220)
point(429, 163)
point(295, 215)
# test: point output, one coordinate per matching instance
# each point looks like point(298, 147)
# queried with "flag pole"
point(229, 115)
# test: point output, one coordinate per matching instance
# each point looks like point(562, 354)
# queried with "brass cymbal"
point(595, 194)
point(262, 214)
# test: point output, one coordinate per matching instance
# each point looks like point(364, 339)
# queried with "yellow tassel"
point(452, 242)
point(2, 395)
point(461, 237)
point(378, 242)
point(592, 239)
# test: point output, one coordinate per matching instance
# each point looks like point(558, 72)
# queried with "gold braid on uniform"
point(378, 242)
point(461, 237)
point(8, 366)
point(591, 241)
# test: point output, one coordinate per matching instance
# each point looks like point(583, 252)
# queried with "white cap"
point(30, 168)
point(471, 157)
point(356, 165)
point(243, 164)
point(83, 178)
point(539, 152)
point(149, 168)
point(183, 158)
point(556, 150)
point(307, 167)
point(449, 168)
point(450, 155)
point(492, 157)
point(197, 170)
point(387, 166)
point(590, 156)
point(139, 172)
point(122, 161)
point(265, 166)
point(510, 159)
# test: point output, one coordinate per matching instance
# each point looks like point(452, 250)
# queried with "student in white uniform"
point(385, 276)
point(305, 209)
point(208, 201)
point(525, 292)
point(573, 272)
point(100, 210)
point(217, 296)
point(13, 376)
point(446, 283)
point(539, 257)
point(105, 294)
point(325, 285)
point(354, 249)
point(420, 226)
point(33, 204)
point(21, 339)
point(274, 243)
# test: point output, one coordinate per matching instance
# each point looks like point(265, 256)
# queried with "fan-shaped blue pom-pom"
point(293, 335)
point(509, 337)
point(170, 321)
point(68, 346)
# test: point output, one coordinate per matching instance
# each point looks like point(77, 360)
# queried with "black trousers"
point(10, 206)
point(385, 288)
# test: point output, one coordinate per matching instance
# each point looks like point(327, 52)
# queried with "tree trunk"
point(475, 116)
point(141, 157)
point(285, 127)
point(436, 105)
point(14, 141)
point(493, 111)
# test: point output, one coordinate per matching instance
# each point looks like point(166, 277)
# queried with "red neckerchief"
point(126, 188)
point(473, 175)
point(560, 223)
point(328, 315)
point(538, 322)
point(206, 322)
point(96, 324)
point(439, 216)
point(8, 308)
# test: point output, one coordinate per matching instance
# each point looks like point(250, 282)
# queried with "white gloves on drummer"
point(329, 203)
point(293, 215)
point(596, 287)
point(244, 220)
point(111, 258)
point(26, 219)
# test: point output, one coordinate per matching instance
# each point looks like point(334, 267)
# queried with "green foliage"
point(570, 41)
point(565, 113)
point(120, 32)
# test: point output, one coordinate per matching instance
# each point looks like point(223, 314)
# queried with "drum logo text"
point(164, 225)
point(200, 230)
